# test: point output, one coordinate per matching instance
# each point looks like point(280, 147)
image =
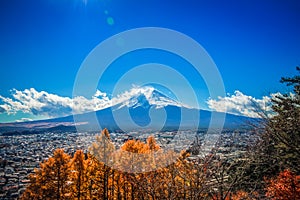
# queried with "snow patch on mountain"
point(144, 97)
point(45, 105)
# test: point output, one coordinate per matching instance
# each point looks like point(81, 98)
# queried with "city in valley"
point(20, 154)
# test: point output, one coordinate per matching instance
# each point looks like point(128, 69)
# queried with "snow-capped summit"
point(139, 101)
point(145, 97)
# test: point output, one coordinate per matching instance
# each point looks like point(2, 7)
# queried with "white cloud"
point(52, 105)
point(135, 91)
point(241, 104)
point(42, 103)
point(24, 119)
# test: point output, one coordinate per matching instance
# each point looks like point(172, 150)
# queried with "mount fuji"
point(146, 108)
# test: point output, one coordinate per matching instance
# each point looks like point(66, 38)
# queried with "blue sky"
point(43, 42)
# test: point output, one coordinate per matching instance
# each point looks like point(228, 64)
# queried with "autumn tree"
point(51, 181)
point(92, 179)
point(278, 139)
point(167, 174)
point(78, 175)
point(239, 195)
point(102, 150)
point(134, 157)
point(284, 128)
point(285, 186)
point(151, 144)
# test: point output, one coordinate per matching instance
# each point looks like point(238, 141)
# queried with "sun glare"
point(85, 2)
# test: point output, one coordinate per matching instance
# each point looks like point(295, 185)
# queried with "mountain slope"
point(146, 108)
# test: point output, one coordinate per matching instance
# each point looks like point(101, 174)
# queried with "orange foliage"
point(89, 176)
point(285, 186)
point(239, 195)
point(51, 181)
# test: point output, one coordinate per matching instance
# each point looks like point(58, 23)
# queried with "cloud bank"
point(42, 103)
point(241, 104)
point(51, 105)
